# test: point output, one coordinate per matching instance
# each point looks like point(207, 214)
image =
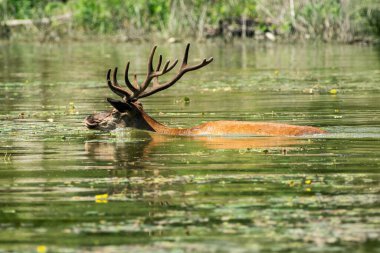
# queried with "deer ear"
point(119, 105)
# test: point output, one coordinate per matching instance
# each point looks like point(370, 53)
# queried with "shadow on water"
point(64, 188)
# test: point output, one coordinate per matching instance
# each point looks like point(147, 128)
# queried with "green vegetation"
point(342, 20)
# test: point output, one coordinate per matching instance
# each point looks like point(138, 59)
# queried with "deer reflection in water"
point(136, 153)
point(147, 172)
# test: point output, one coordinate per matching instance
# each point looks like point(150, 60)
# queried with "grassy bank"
point(329, 20)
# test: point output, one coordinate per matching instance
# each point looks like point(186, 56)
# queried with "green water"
point(64, 188)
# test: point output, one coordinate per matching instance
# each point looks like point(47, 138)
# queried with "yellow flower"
point(101, 198)
point(41, 249)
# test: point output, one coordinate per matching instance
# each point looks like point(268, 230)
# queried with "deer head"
point(128, 112)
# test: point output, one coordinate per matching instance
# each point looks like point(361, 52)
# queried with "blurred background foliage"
point(342, 20)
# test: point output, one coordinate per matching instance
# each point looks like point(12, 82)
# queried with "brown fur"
point(138, 118)
point(234, 128)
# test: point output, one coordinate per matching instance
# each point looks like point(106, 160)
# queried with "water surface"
point(64, 188)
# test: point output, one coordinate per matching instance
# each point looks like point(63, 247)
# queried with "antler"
point(137, 91)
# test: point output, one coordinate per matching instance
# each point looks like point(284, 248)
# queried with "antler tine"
point(159, 63)
point(114, 78)
point(150, 62)
point(200, 65)
point(149, 76)
point(116, 89)
point(186, 55)
point(173, 65)
point(127, 82)
point(167, 68)
point(164, 69)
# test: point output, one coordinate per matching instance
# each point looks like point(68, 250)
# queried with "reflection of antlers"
point(137, 91)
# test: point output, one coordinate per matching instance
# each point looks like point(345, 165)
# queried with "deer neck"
point(148, 123)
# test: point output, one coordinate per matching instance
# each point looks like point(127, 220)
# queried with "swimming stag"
point(129, 112)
